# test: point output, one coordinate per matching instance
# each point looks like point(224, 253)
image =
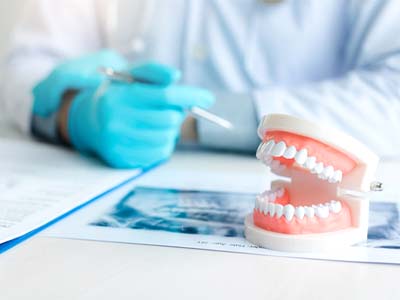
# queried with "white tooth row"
point(270, 196)
point(321, 210)
point(269, 149)
point(273, 164)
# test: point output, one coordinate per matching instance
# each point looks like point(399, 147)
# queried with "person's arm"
point(45, 35)
point(364, 102)
point(240, 110)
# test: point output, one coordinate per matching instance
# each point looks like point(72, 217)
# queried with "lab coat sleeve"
point(364, 101)
point(239, 109)
point(48, 32)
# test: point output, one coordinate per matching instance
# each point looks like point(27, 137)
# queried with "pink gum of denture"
point(323, 153)
point(306, 225)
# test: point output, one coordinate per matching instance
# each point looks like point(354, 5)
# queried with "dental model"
point(325, 205)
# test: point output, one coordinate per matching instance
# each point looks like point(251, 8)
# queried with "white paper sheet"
point(210, 217)
point(39, 183)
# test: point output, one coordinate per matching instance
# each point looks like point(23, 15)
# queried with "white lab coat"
point(336, 62)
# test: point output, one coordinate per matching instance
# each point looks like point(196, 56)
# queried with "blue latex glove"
point(73, 75)
point(134, 125)
point(129, 125)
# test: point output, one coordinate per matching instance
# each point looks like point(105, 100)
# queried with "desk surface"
point(50, 268)
point(46, 268)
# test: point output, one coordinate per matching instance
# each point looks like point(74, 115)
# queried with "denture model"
point(325, 204)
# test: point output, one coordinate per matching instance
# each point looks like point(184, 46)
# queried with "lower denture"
point(305, 225)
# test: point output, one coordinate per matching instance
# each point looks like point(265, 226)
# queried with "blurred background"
point(260, 66)
point(9, 12)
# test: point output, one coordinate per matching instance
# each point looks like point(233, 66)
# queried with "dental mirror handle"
point(195, 111)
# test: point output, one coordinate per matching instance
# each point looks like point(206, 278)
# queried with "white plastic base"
point(301, 242)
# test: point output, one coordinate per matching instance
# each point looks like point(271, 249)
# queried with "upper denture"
point(281, 149)
point(308, 147)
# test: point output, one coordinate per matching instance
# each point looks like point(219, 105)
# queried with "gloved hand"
point(73, 75)
point(134, 125)
point(129, 125)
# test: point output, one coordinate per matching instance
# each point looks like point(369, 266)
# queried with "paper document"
point(210, 220)
point(39, 183)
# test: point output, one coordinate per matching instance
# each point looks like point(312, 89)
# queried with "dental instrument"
point(195, 111)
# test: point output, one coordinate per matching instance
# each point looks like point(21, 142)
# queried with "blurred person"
point(336, 62)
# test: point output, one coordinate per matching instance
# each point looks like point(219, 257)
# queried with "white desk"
point(49, 268)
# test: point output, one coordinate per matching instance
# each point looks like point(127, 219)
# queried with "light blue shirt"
point(336, 62)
